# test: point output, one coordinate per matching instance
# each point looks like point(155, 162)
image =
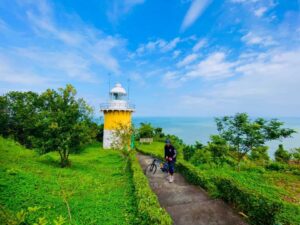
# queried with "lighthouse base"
point(108, 139)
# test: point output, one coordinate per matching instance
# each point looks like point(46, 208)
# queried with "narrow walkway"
point(188, 204)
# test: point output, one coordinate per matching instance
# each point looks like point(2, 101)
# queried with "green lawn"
point(96, 187)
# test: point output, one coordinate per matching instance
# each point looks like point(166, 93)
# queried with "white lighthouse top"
point(117, 100)
point(118, 89)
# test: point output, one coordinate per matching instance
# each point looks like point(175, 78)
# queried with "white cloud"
point(90, 43)
point(158, 45)
point(196, 9)
point(260, 11)
point(252, 38)
point(138, 78)
point(11, 73)
point(200, 44)
point(214, 66)
point(268, 84)
point(120, 7)
point(171, 79)
point(171, 45)
point(176, 53)
point(187, 60)
point(244, 1)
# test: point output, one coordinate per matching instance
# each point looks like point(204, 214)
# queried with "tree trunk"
point(64, 158)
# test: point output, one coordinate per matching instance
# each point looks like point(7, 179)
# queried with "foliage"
point(218, 148)
point(202, 156)
point(99, 129)
point(245, 134)
point(122, 137)
point(260, 155)
point(260, 194)
point(19, 115)
point(158, 133)
point(190, 150)
point(281, 155)
point(149, 210)
point(296, 154)
point(51, 121)
point(96, 187)
point(146, 130)
point(276, 166)
point(27, 216)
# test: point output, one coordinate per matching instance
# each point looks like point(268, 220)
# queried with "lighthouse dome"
point(118, 89)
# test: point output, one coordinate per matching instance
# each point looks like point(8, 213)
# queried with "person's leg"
point(171, 171)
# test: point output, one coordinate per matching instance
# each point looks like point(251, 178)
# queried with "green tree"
point(19, 114)
point(282, 155)
point(219, 148)
point(158, 133)
point(65, 122)
point(245, 134)
point(146, 130)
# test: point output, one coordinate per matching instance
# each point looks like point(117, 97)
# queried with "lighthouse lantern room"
point(117, 112)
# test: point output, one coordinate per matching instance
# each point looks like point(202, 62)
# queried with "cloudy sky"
point(181, 57)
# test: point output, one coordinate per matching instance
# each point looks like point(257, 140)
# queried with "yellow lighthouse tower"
point(117, 112)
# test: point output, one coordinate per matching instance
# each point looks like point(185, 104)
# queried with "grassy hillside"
point(96, 188)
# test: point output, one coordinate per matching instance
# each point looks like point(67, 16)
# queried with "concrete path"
point(188, 204)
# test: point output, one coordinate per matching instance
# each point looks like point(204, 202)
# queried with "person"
point(170, 156)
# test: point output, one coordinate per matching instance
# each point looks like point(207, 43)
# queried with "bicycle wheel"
point(151, 169)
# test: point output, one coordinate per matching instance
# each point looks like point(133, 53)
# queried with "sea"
point(192, 129)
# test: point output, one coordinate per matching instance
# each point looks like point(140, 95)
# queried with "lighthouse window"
point(116, 96)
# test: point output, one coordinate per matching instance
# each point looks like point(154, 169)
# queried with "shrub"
point(260, 154)
point(202, 156)
point(259, 208)
point(149, 210)
point(146, 130)
point(276, 166)
point(188, 152)
point(281, 155)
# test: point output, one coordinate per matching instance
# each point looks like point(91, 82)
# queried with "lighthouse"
point(117, 112)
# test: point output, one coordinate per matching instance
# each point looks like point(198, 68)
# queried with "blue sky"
point(182, 57)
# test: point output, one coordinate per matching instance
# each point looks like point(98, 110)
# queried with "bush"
point(276, 166)
point(146, 130)
point(149, 209)
point(281, 155)
point(259, 208)
point(202, 156)
point(260, 154)
point(189, 150)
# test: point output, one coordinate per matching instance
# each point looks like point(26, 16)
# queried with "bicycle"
point(152, 167)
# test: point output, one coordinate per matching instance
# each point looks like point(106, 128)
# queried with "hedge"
point(149, 209)
point(259, 209)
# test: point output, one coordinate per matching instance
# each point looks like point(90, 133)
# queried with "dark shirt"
point(170, 151)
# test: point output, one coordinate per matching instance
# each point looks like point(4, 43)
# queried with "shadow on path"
point(186, 203)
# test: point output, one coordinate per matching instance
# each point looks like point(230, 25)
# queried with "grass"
point(273, 184)
point(96, 187)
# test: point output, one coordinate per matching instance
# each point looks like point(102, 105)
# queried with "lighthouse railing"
point(117, 106)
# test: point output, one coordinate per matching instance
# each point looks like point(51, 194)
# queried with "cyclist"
point(170, 156)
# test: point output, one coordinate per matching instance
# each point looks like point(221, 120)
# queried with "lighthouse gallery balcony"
point(117, 105)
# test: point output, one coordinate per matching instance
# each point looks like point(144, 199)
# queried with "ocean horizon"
point(192, 129)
